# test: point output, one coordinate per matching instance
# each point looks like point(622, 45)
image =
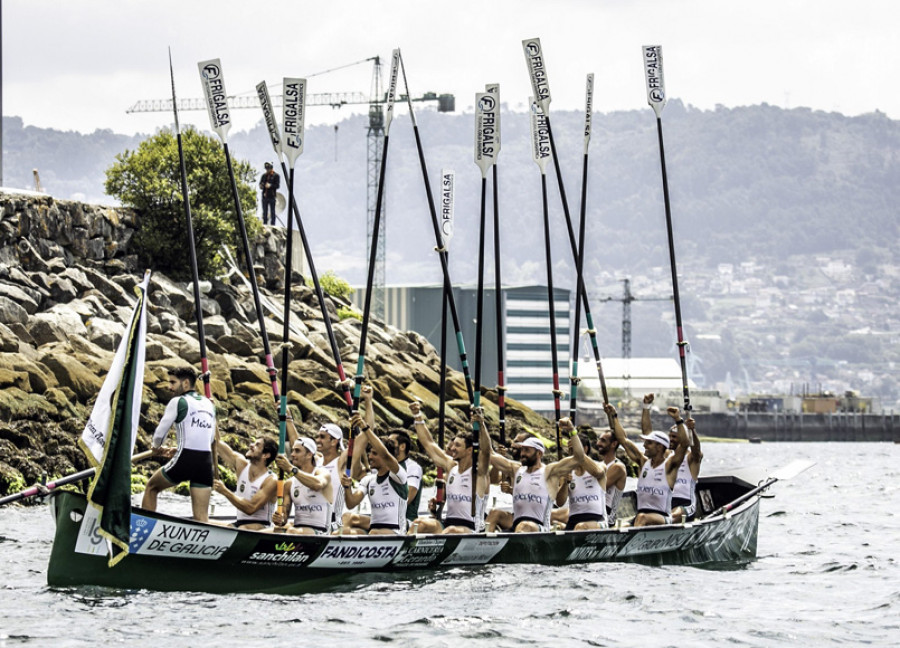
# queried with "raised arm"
point(674, 462)
point(630, 447)
point(646, 423)
point(231, 458)
point(696, 456)
point(440, 458)
point(358, 467)
point(484, 441)
point(367, 393)
point(390, 460)
point(352, 497)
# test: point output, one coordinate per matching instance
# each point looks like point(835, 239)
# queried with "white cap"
point(309, 444)
point(533, 442)
point(659, 437)
point(335, 432)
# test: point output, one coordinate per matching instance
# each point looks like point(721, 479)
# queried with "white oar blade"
point(486, 109)
point(294, 109)
point(448, 181)
point(540, 84)
point(793, 469)
point(653, 72)
point(392, 90)
point(265, 102)
point(588, 110)
point(494, 89)
point(540, 138)
point(213, 82)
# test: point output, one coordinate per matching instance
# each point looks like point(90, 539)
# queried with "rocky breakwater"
point(66, 290)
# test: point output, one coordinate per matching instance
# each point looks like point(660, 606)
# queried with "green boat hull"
point(175, 554)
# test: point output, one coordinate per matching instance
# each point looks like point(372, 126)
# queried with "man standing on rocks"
point(269, 183)
point(194, 418)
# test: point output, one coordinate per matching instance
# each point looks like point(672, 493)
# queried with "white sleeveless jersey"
point(531, 498)
point(459, 499)
point(246, 489)
point(653, 492)
point(387, 498)
point(613, 495)
point(311, 508)
point(337, 508)
point(586, 495)
point(194, 418)
point(685, 484)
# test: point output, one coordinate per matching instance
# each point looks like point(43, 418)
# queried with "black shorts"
point(583, 517)
point(455, 521)
point(385, 526)
point(194, 466)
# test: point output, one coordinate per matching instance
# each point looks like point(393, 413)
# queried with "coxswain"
point(385, 485)
point(536, 484)
point(658, 469)
point(194, 418)
point(457, 465)
point(309, 491)
point(255, 491)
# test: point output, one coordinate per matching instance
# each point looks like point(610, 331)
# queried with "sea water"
point(827, 573)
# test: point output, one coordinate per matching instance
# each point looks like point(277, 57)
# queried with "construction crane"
point(626, 299)
point(374, 148)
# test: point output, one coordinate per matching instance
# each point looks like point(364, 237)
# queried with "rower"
point(587, 491)
point(194, 418)
point(385, 486)
point(537, 484)
point(255, 491)
point(309, 491)
point(413, 472)
point(658, 471)
point(684, 495)
point(615, 473)
point(497, 518)
point(330, 444)
point(457, 465)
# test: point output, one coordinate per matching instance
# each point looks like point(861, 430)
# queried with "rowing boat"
point(169, 553)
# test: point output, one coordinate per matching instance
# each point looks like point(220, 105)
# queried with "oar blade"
point(653, 73)
point(293, 114)
point(213, 81)
point(793, 469)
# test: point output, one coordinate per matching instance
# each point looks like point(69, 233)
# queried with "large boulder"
point(71, 373)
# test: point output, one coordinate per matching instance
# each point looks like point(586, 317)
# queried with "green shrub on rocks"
point(333, 285)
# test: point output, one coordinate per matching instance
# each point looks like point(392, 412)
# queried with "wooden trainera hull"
point(176, 554)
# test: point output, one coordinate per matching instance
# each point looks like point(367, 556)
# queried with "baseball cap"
point(268, 165)
point(659, 437)
point(308, 443)
point(533, 442)
point(335, 432)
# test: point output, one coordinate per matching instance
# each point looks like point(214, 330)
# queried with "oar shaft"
point(498, 310)
point(678, 323)
point(551, 304)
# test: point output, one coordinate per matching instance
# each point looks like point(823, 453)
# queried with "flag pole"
point(656, 97)
point(494, 89)
point(535, 59)
point(275, 136)
point(579, 262)
point(541, 154)
point(213, 80)
point(198, 307)
point(486, 108)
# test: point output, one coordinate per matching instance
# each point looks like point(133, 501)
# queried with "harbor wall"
point(781, 426)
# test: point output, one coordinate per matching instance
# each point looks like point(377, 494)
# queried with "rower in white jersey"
point(330, 444)
point(194, 418)
point(587, 491)
point(385, 486)
point(309, 491)
point(616, 474)
point(684, 495)
point(536, 484)
point(457, 464)
point(254, 496)
point(657, 470)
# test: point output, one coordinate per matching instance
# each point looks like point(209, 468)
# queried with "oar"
point(275, 136)
point(198, 307)
point(540, 152)
point(579, 262)
point(486, 109)
point(213, 80)
point(62, 481)
point(454, 314)
point(656, 97)
point(448, 181)
point(534, 57)
point(783, 474)
point(494, 89)
point(292, 146)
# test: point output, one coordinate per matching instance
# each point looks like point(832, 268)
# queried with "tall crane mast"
point(626, 299)
point(374, 147)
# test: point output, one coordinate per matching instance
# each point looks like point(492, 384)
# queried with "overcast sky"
point(78, 65)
